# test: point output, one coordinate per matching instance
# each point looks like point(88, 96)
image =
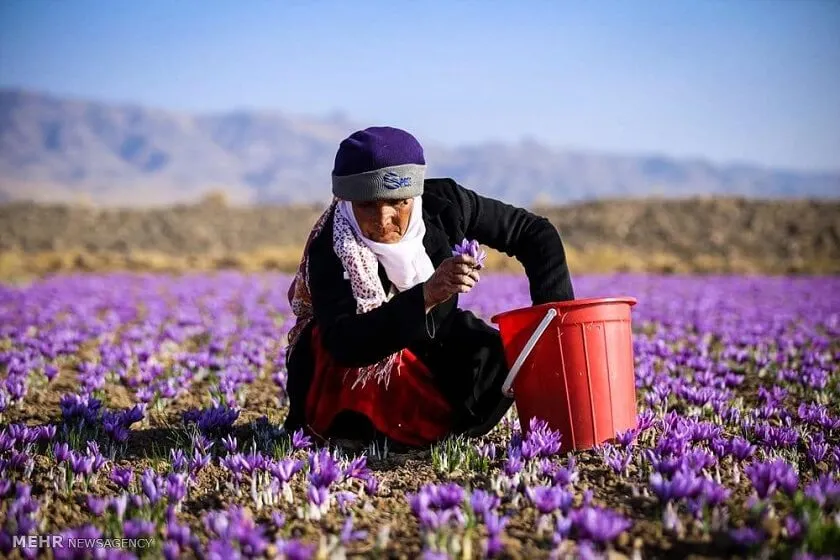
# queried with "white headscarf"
point(406, 261)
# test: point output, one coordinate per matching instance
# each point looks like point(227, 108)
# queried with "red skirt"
point(411, 410)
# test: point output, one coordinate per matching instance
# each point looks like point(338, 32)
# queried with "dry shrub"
point(215, 198)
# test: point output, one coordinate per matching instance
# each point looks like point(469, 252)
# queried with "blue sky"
point(730, 80)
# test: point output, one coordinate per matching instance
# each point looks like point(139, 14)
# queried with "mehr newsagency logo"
point(61, 541)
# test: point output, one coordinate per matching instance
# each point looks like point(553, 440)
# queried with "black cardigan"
point(451, 213)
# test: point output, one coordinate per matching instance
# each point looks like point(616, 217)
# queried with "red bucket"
point(571, 365)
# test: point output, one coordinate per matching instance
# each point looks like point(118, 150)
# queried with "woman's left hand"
point(454, 275)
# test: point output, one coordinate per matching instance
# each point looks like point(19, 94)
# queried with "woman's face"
point(383, 221)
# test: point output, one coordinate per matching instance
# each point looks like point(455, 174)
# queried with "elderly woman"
point(380, 347)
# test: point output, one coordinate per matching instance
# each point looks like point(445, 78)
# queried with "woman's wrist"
point(427, 299)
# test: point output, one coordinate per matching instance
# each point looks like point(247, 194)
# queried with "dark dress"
point(464, 354)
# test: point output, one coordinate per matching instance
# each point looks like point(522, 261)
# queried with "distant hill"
point(56, 149)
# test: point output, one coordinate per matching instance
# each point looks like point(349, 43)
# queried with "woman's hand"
point(454, 275)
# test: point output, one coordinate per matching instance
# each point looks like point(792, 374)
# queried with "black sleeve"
point(531, 239)
point(357, 340)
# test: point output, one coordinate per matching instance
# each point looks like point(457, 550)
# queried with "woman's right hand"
point(455, 275)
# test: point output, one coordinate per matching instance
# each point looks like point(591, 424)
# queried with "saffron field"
point(146, 406)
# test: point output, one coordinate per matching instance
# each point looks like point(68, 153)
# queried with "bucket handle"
point(526, 351)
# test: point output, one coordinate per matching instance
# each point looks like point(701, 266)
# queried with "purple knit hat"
point(379, 163)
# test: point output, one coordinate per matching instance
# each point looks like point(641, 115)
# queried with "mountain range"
point(59, 149)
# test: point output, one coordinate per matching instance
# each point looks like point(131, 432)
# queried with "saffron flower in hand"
point(471, 248)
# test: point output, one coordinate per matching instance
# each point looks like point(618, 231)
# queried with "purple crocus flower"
point(446, 496)
point(22, 433)
point(548, 499)
point(825, 490)
point(645, 420)
point(235, 464)
point(817, 451)
point(176, 487)
point(134, 414)
point(718, 446)
point(318, 495)
point(61, 452)
point(512, 466)
point(171, 550)
point(280, 378)
point(7, 441)
point(714, 494)
point(598, 524)
point(434, 520)
point(81, 464)
point(21, 515)
point(793, 528)
point(769, 475)
point(348, 534)
point(138, 528)
point(253, 462)
point(145, 394)
point(665, 465)
point(741, 448)
point(115, 429)
point(487, 451)
point(357, 468)
point(471, 248)
point(483, 502)
point(235, 526)
point(97, 505)
point(80, 410)
point(122, 476)
point(230, 444)
point(626, 437)
point(17, 388)
point(295, 550)
point(46, 432)
point(371, 485)
point(565, 476)
point(218, 548)
point(562, 528)
point(619, 461)
point(747, 536)
point(5, 487)
point(683, 484)
point(323, 469)
point(495, 526)
point(177, 532)
point(300, 440)
point(199, 461)
point(97, 459)
point(419, 501)
point(215, 420)
point(544, 440)
point(50, 370)
point(178, 459)
point(19, 461)
point(285, 469)
point(343, 498)
point(151, 485)
point(119, 505)
point(698, 459)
